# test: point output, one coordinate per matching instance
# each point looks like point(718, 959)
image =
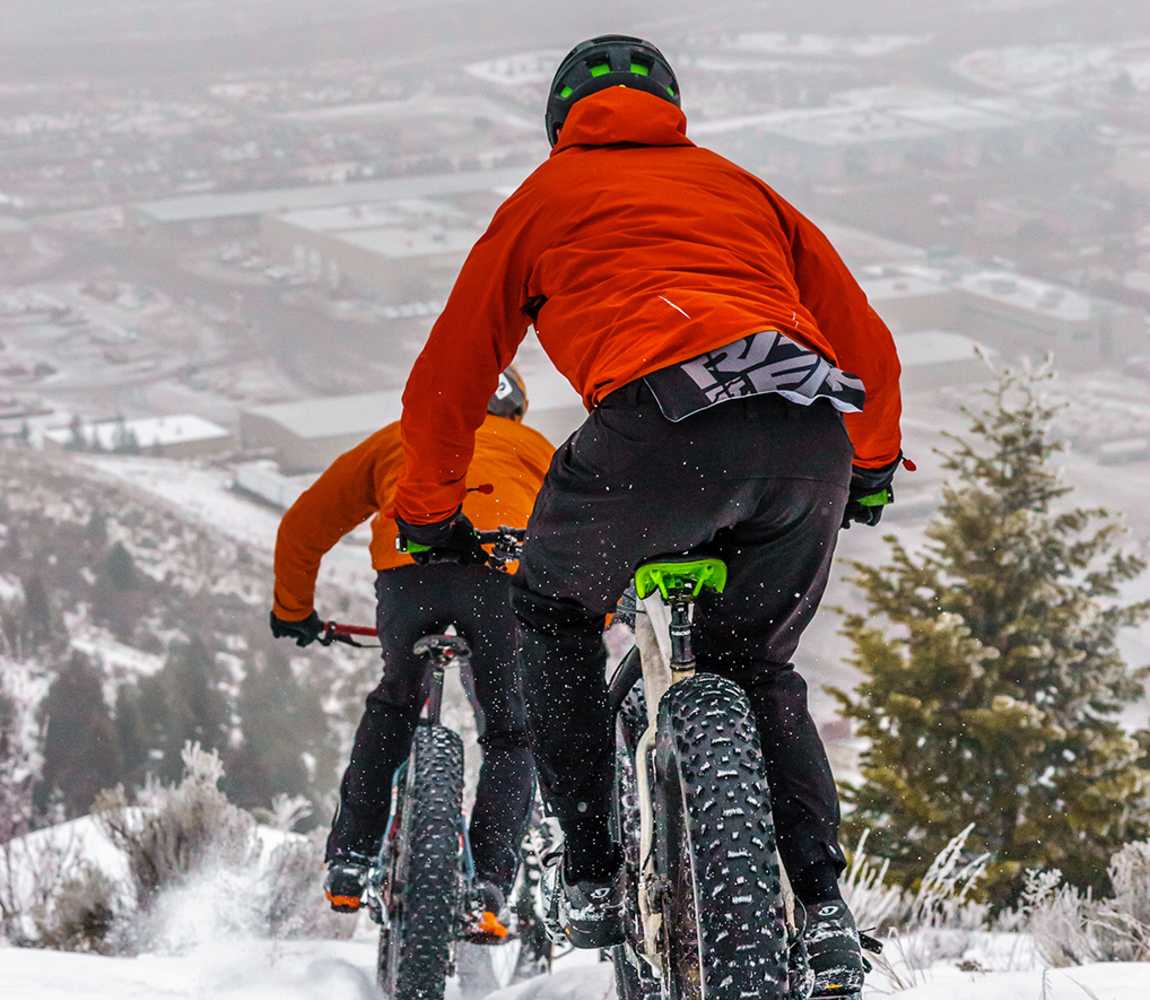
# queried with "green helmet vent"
point(601, 70)
point(640, 70)
point(566, 92)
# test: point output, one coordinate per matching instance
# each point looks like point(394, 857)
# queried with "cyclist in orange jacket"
point(743, 395)
point(413, 600)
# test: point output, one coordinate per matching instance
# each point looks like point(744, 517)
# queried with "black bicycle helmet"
point(608, 61)
point(510, 396)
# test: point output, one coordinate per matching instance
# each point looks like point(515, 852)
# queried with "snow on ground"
point(251, 970)
point(205, 493)
point(857, 46)
point(318, 970)
point(1115, 981)
point(1076, 70)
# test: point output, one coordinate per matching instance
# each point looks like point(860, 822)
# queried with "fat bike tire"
point(724, 926)
point(415, 949)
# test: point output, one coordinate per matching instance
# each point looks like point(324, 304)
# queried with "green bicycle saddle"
point(679, 575)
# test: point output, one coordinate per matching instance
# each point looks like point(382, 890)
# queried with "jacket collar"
point(623, 115)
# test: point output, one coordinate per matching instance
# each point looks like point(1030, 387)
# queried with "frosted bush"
point(292, 904)
point(197, 870)
point(286, 812)
point(875, 904)
point(1072, 928)
point(82, 914)
point(179, 831)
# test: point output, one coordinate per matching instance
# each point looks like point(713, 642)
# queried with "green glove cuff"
point(411, 548)
point(878, 499)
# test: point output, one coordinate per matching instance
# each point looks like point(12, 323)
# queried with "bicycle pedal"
point(344, 904)
point(488, 929)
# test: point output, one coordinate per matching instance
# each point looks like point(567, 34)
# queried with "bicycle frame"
point(655, 628)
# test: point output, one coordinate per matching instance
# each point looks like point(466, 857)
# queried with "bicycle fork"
point(663, 635)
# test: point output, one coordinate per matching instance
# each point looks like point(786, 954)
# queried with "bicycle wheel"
point(425, 890)
point(723, 919)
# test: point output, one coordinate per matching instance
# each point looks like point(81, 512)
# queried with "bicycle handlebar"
point(508, 546)
point(335, 632)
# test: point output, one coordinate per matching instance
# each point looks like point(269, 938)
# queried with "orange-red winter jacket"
point(508, 456)
point(633, 249)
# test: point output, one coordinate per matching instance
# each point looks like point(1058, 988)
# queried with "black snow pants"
point(762, 483)
point(415, 601)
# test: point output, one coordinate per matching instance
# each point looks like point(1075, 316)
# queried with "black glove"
point(452, 541)
point(870, 491)
point(304, 632)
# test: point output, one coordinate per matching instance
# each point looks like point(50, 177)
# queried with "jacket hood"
point(622, 114)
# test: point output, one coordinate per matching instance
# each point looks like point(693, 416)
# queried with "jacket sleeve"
point(473, 340)
point(347, 494)
point(862, 343)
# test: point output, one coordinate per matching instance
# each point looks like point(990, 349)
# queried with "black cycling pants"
point(415, 601)
point(762, 483)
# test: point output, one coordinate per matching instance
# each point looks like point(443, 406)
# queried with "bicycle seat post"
point(440, 652)
point(682, 648)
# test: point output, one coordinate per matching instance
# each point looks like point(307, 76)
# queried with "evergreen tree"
point(16, 770)
point(41, 627)
point(81, 752)
point(195, 707)
point(279, 725)
point(132, 736)
point(995, 700)
point(118, 596)
point(97, 529)
point(77, 439)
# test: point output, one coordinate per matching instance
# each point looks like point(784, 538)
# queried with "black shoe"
point(588, 913)
point(833, 948)
point(345, 883)
point(487, 915)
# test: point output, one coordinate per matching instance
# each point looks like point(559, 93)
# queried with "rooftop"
point(888, 114)
point(359, 215)
point(149, 432)
point(334, 416)
point(935, 347)
point(883, 283)
point(400, 242)
point(1028, 293)
point(205, 207)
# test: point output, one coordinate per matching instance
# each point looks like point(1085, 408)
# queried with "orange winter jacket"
point(631, 249)
point(510, 457)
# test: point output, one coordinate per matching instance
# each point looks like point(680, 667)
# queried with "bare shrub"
point(1074, 928)
point(83, 914)
point(286, 812)
point(180, 831)
point(292, 903)
point(33, 869)
point(197, 869)
point(875, 904)
point(939, 921)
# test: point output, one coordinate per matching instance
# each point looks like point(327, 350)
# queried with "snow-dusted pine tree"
point(992, 682)
point(81, 750)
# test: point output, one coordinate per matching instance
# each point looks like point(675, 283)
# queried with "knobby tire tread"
point(432, 883)
point(712, 785)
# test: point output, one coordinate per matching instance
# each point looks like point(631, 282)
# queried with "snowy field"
point(318, 970)
point(1071, 70)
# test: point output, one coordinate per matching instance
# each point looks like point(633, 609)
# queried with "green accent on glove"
point(414, 548)
point(878, 499)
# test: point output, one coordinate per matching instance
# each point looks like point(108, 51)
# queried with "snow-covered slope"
point(319, 970)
